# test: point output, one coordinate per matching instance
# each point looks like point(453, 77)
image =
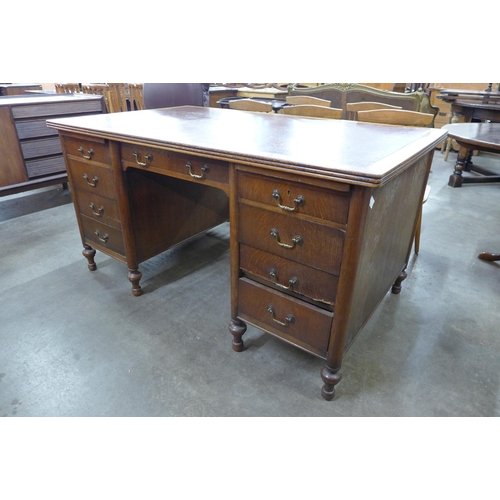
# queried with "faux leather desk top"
point(341, 150)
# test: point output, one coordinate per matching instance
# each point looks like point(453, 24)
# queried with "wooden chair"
point(305, 99)
point(401, 117)
point(117, 95)
point(404, 118)
point(136, 96)
point(251, 105)
point(67, 88)
point(312, 111)
point(353, 107)
point(98, 89)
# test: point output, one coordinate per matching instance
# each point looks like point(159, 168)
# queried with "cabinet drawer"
point(45, 166)
point(295, 197)
point(292, 276)
point(34, 128)
point(74, 106)
point(97, 207)
point(41, 147)
point(85, 175)
point(292, 319)
point(102, 234)
point(87, 150)
point(184, 166)
point(311, 243)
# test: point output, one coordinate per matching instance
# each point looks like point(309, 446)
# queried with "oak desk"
point(322, 212)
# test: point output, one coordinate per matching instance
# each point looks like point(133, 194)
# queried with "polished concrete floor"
point(77, 343)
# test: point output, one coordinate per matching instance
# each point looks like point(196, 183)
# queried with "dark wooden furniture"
point(473, 137)
point(320, 228)
point(18, 88)
point(30, 152)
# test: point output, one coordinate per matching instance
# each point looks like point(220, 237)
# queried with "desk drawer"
point(103, 235)
point(97, 207)
point(308, 242)
point(289, 275)
point(87, 150)
point(190, 167)
point(94, 178)
point(295, 197)
point(294, 320)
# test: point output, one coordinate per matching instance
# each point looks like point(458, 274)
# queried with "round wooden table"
point(470, 137)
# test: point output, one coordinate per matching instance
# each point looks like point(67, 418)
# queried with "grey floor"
point(77, 343)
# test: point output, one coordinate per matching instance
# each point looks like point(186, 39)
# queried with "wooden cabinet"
point(18, 88)
point(30, 152)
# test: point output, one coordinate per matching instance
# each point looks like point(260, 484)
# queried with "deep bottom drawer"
point(289, 318)
point(102, 234)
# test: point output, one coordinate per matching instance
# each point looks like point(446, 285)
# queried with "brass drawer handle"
point(99, 212)
point(289, 319)
point(297, 240)
point(94, 182)
point(104, 239)
point(89, 154)
point(291, 282)
point(299, 201)
point(148, 158)
point(196, 176)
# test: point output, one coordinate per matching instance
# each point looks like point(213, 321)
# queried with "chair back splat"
point(251, 105)
point(312, 111)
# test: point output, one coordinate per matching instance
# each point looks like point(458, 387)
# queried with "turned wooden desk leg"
point(456, 179)
point(396, 288)
point(134, 276)
point(237, 329)
point(89, 253)
point(331, 377)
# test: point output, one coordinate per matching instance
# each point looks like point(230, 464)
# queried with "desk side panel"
point(388, 239)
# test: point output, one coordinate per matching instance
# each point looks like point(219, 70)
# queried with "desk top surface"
point(485, 134)
point(347, 151)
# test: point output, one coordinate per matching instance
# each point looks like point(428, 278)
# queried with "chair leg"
point(417, 231)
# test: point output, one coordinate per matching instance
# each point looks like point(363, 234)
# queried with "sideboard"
point(322, 212)
point(30, 152)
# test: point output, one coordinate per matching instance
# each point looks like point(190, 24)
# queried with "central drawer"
point(304, 241)
point(293, 320)
point(194, 168)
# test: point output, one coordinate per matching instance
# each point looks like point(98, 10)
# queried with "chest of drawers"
point(320, 228)
point(30, 151)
